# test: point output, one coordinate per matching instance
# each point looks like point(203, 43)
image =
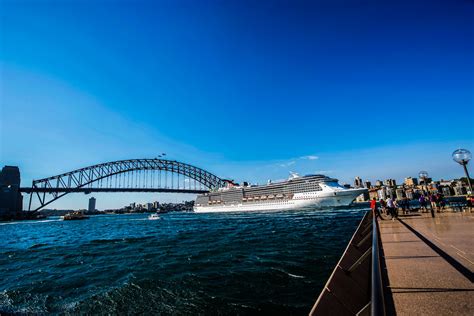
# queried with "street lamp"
point(462, 157)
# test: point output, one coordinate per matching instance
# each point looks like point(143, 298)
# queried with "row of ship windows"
point(261, 202)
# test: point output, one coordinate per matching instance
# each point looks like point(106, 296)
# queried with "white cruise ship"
point(298, 192)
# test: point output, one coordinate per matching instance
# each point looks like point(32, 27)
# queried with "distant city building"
point(91, 208)
point(459, 190)
point(446, 191)
point(425, 180)
point(149, 206)
point(358, 182)
point(381, 194)
point(156, 205)
point(373, 193)
point(411, 182)
point(390, 182)
point(363, 197)
point(132, 206)
point(400, 193)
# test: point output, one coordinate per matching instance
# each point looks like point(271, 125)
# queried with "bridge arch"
point(84, 179)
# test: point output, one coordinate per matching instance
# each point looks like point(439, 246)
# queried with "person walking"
point(375, 209)
point(422, 201)
point(383, 205)
point(391, 208)
point(432, 199)
point(440, 201)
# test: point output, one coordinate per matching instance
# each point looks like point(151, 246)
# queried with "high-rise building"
point(91, 208)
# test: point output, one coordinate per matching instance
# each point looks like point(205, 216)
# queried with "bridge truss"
point(134, 175)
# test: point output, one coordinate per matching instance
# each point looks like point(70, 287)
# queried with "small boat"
point(74, 216)
point(153, 217)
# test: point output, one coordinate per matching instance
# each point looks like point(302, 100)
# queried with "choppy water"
point(185, 263)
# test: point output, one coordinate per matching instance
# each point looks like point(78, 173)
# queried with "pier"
point(429, 263)
point(415, 264)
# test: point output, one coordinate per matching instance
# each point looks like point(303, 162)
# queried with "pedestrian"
point(470, 202)
point(433, 202)
point(383, 205)
point(406, 202)
point(391, 208)
point(403, 205)
point(375, 210)
point(440, 201)
point(422, 201)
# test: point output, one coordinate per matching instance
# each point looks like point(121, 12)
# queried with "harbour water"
point(185, 263)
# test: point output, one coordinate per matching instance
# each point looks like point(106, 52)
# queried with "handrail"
point(377, 306)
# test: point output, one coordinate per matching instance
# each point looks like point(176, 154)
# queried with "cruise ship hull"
point(309, 200)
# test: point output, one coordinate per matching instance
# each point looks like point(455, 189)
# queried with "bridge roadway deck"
point(430, 263)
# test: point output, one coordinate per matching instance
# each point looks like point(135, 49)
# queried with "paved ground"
point(430, 263)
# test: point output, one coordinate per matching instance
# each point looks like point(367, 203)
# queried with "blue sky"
point(244, 89)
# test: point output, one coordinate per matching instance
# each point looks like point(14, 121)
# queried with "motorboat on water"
point(154, 217)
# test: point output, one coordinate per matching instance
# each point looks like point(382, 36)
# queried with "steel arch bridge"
point(134, 175)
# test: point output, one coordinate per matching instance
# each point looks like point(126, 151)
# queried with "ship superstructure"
point(310, 191)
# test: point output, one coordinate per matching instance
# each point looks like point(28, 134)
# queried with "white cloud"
point(310, 157)
point(287, 164)
point(323, 171)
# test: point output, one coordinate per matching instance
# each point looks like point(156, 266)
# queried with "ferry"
point(298, 192)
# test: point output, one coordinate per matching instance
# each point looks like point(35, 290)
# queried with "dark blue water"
point(185, 263)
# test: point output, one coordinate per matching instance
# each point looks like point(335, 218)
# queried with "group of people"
point(391, 206)
point(436, 201)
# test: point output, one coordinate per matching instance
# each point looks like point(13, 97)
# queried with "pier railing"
point(355, 287)
point(377, 303)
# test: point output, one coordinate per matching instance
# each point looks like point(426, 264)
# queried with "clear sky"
point(248, 90)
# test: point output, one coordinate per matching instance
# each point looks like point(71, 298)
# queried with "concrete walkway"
point(430, 263)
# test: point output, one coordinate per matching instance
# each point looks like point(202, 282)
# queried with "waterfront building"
point(458, 190)
point(411, 182)
point(425, 181)
point(156, 205)
point(382, 194)
point(399, 192)
point(446, 191)
point(373, 193)
point(149, 206)
point(363, 197)
point(390, 183)
point(132, 206)
point(91, 208)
